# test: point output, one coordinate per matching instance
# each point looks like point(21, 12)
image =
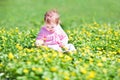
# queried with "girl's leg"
point(70, 47)
point(55, 47)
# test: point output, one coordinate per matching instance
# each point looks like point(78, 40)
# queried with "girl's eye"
point(47, 26)
point(52, 27)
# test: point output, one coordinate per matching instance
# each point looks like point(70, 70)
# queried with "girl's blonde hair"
point(52, 16)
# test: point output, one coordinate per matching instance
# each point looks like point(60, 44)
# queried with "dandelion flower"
point(25, 71)
point(39, 69)
point(10, 56)
point(100, 64)
point(103, 58)
point(1, 64)
point(83, 70)
point(91, 75)
point(34, 69)
point(53, 69)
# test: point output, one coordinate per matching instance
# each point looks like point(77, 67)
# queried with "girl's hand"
point(61, 45)
point(39, 43)
point(64, 48)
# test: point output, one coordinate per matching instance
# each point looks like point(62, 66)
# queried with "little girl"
point(52, 35)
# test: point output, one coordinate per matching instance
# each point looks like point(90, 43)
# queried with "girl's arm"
point(39, 43)
point(39, 39)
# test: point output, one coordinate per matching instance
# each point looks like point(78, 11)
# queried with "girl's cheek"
point(47, 29)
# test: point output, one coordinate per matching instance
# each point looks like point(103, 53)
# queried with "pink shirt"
point(57, 37)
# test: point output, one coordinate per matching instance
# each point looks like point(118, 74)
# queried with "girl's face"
point(51, 27)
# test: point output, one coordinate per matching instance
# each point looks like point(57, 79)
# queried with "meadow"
point(93, 26)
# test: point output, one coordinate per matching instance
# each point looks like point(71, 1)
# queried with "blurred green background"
point(29, 14)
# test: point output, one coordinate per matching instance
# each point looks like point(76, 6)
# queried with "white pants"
point(56, 47)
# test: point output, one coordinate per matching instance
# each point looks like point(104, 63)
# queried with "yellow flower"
point(118, 51)
point(73, 74)
point(91, 75)
point(1, 64)
point(80, 39)
point(48, 60)
point(19, 47)
point(70, 38)
point(29, 50)
point(76, 63)
point(45, 55)
point(80, 60)
point(116, 33)
point(46, 78)
point(33, 44)
point(10, 56)
point(34, 69)
point(61, 55)
point(23, 54)
point(118, 60)
point(16, 30)
point(83, 54)
point(96, 39)
point(67, 78)
point(45, 47)
point(90, 54)
point(53, 69)
point(66, 73)
point(68, 31)
point(39, 57)
point(100, 64)
point(105, 70)
point(91, 60)
point(112, 46)
point(88, 34)
point(64, 60)
point(103, 58)
point(68, 58)
point(39, 69)
point(54, 54)
point(83, 70)
point(25, 71)
point(4, 38)
point(99, 48)
point(85, 65)
point(28, 62)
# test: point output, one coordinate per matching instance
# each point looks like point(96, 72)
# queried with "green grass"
point(29, 13)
